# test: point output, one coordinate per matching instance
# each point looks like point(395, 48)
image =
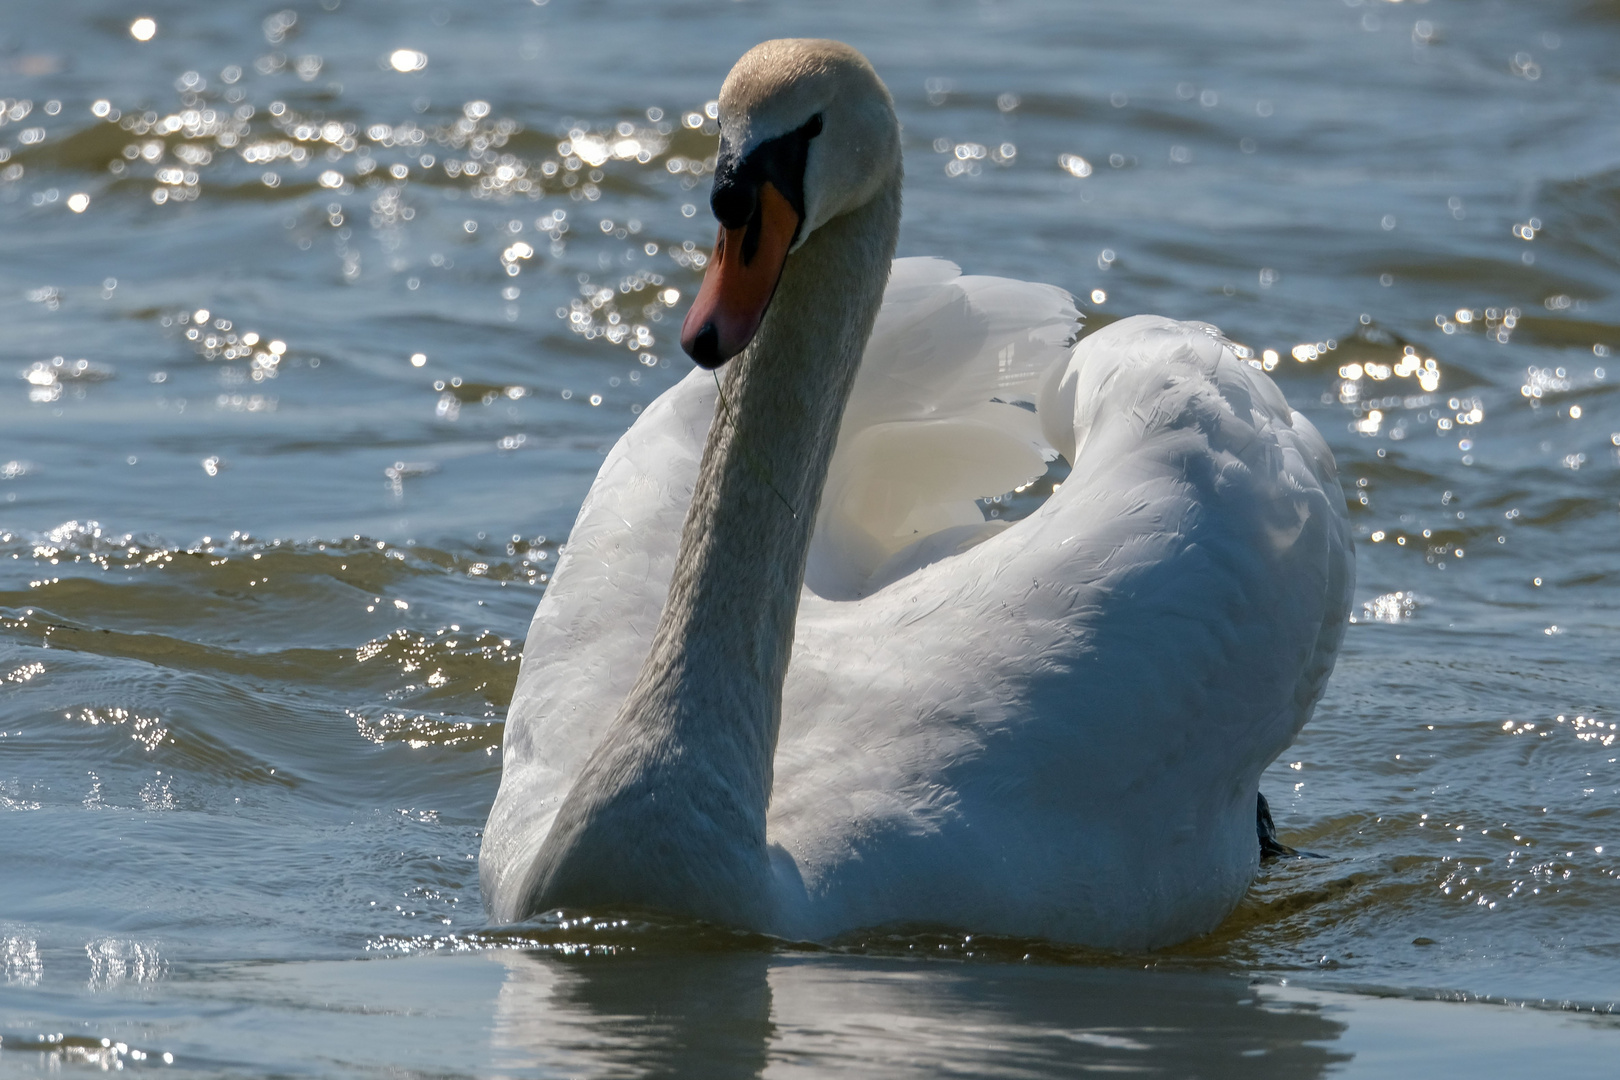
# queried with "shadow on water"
point(732, 1014)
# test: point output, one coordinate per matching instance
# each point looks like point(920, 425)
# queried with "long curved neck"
point(727, 627)
point(670, 809)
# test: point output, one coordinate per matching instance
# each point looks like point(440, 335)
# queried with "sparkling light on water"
point(403, 60)
point(1074, 165)
point(297, 211)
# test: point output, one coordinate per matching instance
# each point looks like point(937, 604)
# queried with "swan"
point(788, 677)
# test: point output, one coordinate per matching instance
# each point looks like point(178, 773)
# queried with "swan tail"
point(1270, 846)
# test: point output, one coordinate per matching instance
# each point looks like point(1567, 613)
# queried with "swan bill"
point(741, 279)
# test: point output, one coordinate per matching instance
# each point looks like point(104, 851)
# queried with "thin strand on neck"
point(753, 459)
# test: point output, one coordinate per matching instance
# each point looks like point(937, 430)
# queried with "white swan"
point(1053, 728)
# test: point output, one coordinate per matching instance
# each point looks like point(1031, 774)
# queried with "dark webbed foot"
point(1270, 846)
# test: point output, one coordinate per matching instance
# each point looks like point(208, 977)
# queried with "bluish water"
point(261, 601)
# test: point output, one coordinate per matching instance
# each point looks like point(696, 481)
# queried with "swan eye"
point(780, 161)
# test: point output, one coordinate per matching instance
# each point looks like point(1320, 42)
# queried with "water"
point(261, 606)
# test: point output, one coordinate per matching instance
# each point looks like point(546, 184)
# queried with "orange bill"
point(740, 282)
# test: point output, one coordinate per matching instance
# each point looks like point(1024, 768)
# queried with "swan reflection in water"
point(734, 1014)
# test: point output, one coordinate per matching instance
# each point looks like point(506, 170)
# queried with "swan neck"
point(669, 810)
point(734, 599)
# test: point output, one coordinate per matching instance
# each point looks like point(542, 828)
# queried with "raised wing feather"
point(934, 422)
point(1086, 700)
point(986, 726)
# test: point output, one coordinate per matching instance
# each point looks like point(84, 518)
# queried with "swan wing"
point(942, 413)
point(1062, 727)
point(594, 626)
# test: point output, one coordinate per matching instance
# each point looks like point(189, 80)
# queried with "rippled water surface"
point(320, 320)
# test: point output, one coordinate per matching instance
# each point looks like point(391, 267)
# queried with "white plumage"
point(1054, 727)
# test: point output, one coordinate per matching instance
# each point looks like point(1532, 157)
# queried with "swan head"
point(807, 133)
